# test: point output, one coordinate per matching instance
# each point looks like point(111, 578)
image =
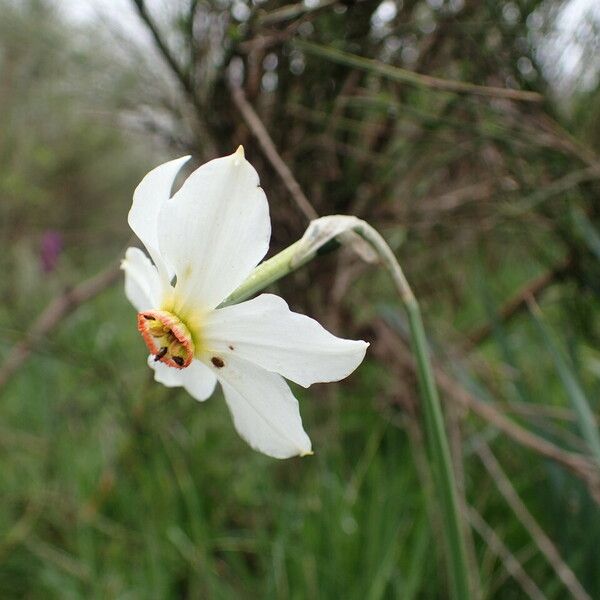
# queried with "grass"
point(129, 489)
point(112, 486)
point(115, 487)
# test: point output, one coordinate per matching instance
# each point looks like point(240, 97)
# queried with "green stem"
point(344, 229)
point(434, 421)
point(440, 454)
point(266, 273)
point(581, 405)
point(277, 267)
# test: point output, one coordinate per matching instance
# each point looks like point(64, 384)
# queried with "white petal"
point(152, 192)
point(265, 332)
point(164, 374)
point(197, 379)
point(265, 412)
point(142, 282)
point(215, 230)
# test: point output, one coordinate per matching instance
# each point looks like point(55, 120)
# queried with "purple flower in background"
point(50, 249)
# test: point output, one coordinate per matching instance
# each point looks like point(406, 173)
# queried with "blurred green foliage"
point(112, 486)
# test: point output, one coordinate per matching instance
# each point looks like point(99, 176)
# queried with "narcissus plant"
point(203, 242)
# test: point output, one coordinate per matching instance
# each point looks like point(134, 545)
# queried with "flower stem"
point(434, 421)
point(344, 229)
point(440, 456)
point(265, 274)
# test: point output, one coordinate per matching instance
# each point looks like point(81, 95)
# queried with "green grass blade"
point(416, 570)
point(440, 458)
point(410, 77)
point(585, 417)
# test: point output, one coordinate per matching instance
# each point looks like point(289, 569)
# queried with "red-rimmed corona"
point(167, 338)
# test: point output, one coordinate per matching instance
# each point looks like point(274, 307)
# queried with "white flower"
point(204, 242)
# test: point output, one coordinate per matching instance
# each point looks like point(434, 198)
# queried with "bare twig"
point(291, 11)
point(57, 557)
point(52, 315)
point(21, 529)
point(543, 542)
point(567, 140)
point(257, 128)
point(510, 562)
point(542, 411)
point(183, 77)
point(555, 188)
point(193, 49)
point(412, 78)
point(577, 463)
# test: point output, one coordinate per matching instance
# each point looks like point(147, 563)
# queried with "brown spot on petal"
point(218, 362)
point(231, 347)
point(178, 360)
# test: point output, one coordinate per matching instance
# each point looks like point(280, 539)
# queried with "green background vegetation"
point(112, 486)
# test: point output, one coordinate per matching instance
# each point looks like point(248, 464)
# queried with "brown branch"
point(579, 464)
point(543, 542)
point(568, 141)
point(193, 46)
point(183, 77)
point(249, 115)
point(52, 315)
point(252, 120)
point(517, 303)
point(267, 145)
point(512, 565)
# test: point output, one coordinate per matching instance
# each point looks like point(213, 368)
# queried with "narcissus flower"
point(203, 242)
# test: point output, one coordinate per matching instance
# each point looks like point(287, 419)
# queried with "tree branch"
point(183, 77)
point(52, 315)
point(579, 464)
point(539, 536)
point(267, 145)
point(517, 303)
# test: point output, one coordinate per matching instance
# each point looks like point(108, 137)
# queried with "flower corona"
point(167, 338)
